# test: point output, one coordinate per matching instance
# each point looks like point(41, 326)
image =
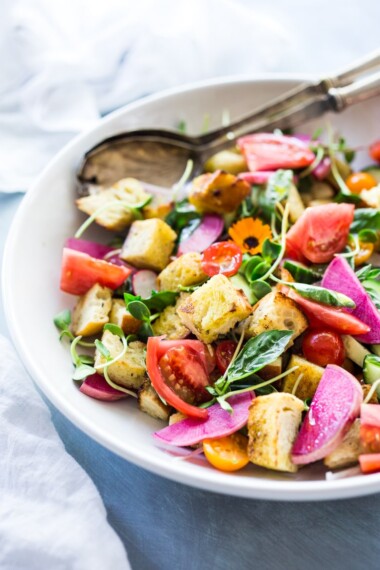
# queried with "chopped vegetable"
point(227, 453)
point(359, 181)
point(323, 347)
point(208, 231)
point(96, 387)
point(144, 282)
point(223, 258)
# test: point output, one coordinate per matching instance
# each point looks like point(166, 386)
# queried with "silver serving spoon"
point(159, 156)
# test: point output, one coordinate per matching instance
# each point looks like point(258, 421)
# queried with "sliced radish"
point(144, 282)
point(336, 404)
point(204, 235)
point(95, 386)
point(97, 250)
point(370, 415)
point(340, 277)
point(219, 423)
point(322, 170)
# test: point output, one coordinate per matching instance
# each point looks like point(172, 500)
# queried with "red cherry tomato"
point(177, 370)
point(370, 438)
point(374, 151)
point(331, 317)
point(320, 232)
point(369, 462)
point(80, 272)
point(222, 257)
point(266, 151)
point(224, 353)
point(323, 347)
point(358, 181)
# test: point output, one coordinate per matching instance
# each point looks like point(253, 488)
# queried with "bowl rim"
point(254, 487)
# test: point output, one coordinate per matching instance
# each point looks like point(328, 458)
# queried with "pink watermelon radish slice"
point(336, 404)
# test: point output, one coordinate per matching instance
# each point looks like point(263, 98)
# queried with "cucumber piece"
point(300, 272)
point(371, 370)
point(239, 282)
point(373, 171)
point(354, 350)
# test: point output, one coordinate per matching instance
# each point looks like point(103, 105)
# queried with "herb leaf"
point(277, 190)
point(63, 320)
point(139, 310)
point(182, 213)
point(82, 371)
point(257, 353)
point(365, 219)
point(322, 295)
point(157, 302)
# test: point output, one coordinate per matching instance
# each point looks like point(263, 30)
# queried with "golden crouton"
point(271, 370)
point(149, 244)
point(275, 311)
point(127, 191)
point(123, 318)
point(366, 388)
point(129, 371)
point(91, 311)
point(150, 403)
point(176, 417)
point(158, 207)
point(214, 309)
point(273, 424)
point(231, 161)
point(311, 375)
point(347, 453)
point(218, 192)
point(169, 323)
point(184, 271)
point(371, 197)
point(296, 207)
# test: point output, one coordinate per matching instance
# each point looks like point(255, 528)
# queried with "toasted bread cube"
point(149, 244)
point(296, 207)
point(311, 376)
point(184, 271)
point(275, 311)
point(130, 370)
point(231, 161)
point(371, 197)
point(176, 417)
point(214, 309)
point(91, 311)
point(159, 206)
point(271, 370)
point(150, 403)
point(273, 424)
point(123, 318)
point(169, 323)
point(366, 388)
point(347, 453)
point(218, 192)
point(127, 191)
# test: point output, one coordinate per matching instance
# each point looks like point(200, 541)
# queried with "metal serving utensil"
point(159, 156)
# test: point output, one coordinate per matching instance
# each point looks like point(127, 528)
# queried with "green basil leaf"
point(270, 250)
point(260, 288)
point(63, 320)
point(139, 310)
point(257, 353)
point(157, 302)
point(368, 236)
point(322, 295)
point(81, 372)
point(365, 219)
point(182, 213)
point(114, 329)
point(103, 349)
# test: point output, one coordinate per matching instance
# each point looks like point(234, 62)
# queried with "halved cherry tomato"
point(191, 376)
point(224, 353)
point(227, 453)
point(323, 347)
point(332, 317)
point(267, 151)
point(223, 257)
point(370, 438)
point(374, 151)
point(80, 271)
point(369, 462)
point(320, 232)
point(358, 181)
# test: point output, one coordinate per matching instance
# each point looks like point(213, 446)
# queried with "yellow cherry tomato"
point(365, 252)
point(227, 453)
point(359, 181)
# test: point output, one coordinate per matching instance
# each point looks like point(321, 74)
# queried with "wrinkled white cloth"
point(65, 63)
point(51, 514)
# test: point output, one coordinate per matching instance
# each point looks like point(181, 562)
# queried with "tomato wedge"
point(370, 438)
point(223, 257)
point(369, 462)
point(80, 271)
point(267, 151)
point(156, 350)
point(224, 353)
point(320, 232)
point(334, 318)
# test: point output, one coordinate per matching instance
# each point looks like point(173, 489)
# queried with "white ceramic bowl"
point(47, 216)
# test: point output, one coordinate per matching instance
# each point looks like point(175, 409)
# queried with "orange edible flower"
point(249, 234)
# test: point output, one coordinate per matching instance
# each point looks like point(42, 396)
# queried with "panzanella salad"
point(246, 315)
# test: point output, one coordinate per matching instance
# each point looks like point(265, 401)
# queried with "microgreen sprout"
point(182, 181)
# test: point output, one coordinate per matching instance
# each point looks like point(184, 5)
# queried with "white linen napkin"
point(51, 514)
point(65, 63)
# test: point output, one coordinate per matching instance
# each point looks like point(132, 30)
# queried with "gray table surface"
point(165, 525)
